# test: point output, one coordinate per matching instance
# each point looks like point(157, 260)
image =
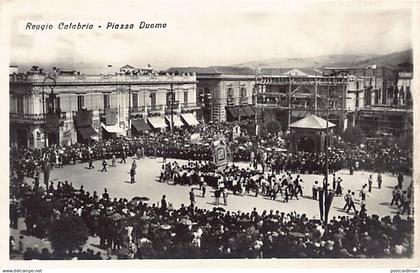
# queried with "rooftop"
point(312, 122)
point(214, 70)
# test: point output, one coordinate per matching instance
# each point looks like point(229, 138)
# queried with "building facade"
point(374, 98)
point(225, 93)
point(388, 104)
point(290, 94)
point(63, 107)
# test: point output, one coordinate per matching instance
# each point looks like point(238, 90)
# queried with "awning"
point(177, 120)
point(242, 111)
point(157, 122)
point(140, 125)
point(189, 119)
point(86, 132)
point(249, 110)
point(113, 129)
point(233, 111)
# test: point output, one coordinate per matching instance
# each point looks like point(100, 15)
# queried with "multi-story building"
point(374, 98)
point(290, 94)
point(225, 93)
point(388, 105)
point(404, 89)
point(64, 107)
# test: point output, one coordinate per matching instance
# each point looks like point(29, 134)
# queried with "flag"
point(328, 203)
point(321, 203)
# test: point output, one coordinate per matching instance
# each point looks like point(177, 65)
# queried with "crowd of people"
point(232, 178)
point(134, 229)
point(374, 155)
point(137, 230)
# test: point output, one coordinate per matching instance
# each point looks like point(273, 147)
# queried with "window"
point(185, 96)
point(135, 99)
point(153, 99)
point(80, 102)
point(243, 93)
point(357, 99)
point(230, 92)
point(57, 104)
point(107, 104)
point(170, 98)
point(19, 104)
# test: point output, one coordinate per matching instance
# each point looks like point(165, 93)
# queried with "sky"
point(204, 33)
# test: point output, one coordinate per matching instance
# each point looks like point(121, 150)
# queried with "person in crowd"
point(379, 180)
point(132, 176)
point(134, 164)
point(203, 189)
point(123, 156)
point(91, 163)
point(363, 207)
point(192, 197)
point(163, 204)
point(400, 179)
point(370, 181)
point(216, 197)
point(114, 160)
point(395, 196)
point(315, 190)
point(347, 198)
point(339, 189)
point(225, 196)
point(104, 164)
point(405, 203)
point(351, 203)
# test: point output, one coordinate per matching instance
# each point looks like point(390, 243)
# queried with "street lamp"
point(43, 107)
point(172, 107)
point(326, 200)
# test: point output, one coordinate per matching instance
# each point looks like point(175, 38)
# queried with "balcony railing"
point(156, 108)
point(190, 105)
point(243, 100)
point(26, 117)
point(38, 117)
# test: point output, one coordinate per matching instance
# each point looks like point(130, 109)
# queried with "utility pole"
point(344, 99)
point(172, 108)
point(239, 101)
point(129, 111)
point(44, 130)
point(316, 92)
point(326, 156)
point(289, 102)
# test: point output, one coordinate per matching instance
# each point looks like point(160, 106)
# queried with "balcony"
point(243, 100)
point(156, 108)
point(27, 118)
point(137, 109)
point(36, 118)
point(190, 106)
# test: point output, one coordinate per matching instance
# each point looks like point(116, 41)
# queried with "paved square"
point(116, 180)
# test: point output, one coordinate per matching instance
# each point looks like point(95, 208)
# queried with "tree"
point(68, 233)
point(354, 135)
point(273, 127)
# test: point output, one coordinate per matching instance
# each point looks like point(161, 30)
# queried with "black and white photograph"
point(203, 130)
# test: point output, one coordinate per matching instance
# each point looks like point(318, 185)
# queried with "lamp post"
point(129, 111)
point(43, 107)
point(172, 108)
point(326, 156)
point(289, 103)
